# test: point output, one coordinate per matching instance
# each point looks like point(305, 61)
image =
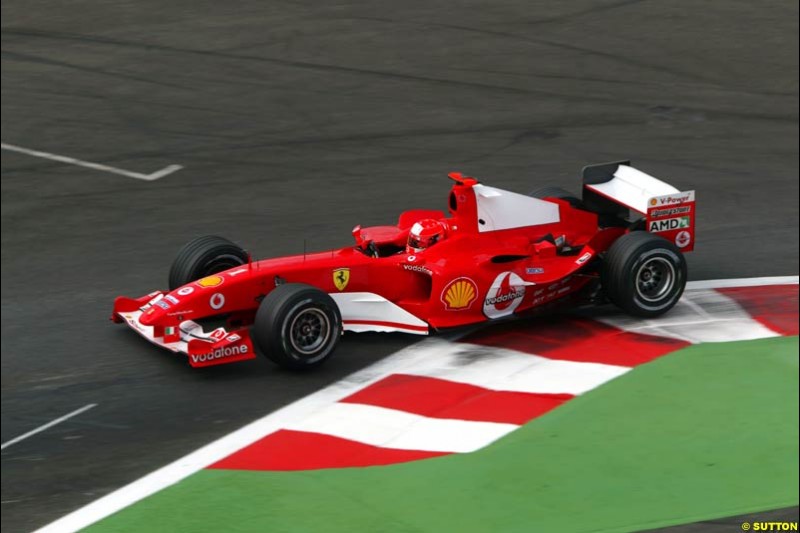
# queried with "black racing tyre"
point(297, 326)
point(557, 192)
point(644, 274)
point(202, 257)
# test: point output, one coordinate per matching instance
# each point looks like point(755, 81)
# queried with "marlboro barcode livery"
point(492, 255)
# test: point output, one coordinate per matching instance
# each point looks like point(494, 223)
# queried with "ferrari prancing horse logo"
point(341, 277)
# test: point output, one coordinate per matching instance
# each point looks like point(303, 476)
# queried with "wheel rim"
point(655, 279)
point(309, 331)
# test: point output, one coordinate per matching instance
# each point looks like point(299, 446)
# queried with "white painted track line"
point(50, 424)
point(94, 166)
point(403, 361)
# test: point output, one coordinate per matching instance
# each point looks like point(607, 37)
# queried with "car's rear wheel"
point(297, 326)
point(202, 257)
point(557, 192)
point(644, 274)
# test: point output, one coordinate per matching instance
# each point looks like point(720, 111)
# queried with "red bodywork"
point(471, 276)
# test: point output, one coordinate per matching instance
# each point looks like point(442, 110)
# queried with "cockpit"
point(473, 208)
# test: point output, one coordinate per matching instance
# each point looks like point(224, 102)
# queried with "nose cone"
point(167, 309)
point(153, 314)
point(216, 294)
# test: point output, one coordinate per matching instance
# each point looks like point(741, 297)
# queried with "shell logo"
point(210, 281)
point(459, 294)
point(653, 201)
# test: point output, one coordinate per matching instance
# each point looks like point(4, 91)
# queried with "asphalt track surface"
point(297, 120)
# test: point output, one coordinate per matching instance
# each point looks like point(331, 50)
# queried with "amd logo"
point(668, 224)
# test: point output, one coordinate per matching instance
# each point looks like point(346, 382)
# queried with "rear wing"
point(621, 190)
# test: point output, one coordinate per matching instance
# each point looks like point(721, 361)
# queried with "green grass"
point(706, 432)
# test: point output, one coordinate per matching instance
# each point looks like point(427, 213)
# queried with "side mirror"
point(358, 236)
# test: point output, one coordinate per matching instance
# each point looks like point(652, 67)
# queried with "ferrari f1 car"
point(494, 255)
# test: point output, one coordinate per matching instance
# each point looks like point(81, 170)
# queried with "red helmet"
point(424, 234)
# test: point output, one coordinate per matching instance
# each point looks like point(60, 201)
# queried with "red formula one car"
point(495, 254)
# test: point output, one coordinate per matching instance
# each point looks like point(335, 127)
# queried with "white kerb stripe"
point(508, 370)
point(702, 315)
point(742, 282)
point(389, 428)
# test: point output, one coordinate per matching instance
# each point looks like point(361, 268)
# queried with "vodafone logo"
point(184, 291)
point(504, 296)
point(417, 268)
point(220, 353)
point(216, 301)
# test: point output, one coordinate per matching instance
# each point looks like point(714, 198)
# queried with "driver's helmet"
point(424, 234)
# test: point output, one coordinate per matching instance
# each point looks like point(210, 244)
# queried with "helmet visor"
point(420, 243)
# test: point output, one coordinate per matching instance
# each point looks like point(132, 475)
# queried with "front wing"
point(202, 348)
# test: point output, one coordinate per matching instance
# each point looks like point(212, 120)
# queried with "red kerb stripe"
point(775, 306)
point(300, 450)
point(438, 398)
point(577, 339)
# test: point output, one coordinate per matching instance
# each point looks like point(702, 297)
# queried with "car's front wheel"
point(297, 326)
point(644, 274)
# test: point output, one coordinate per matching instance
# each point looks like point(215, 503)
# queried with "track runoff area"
point(580, 423)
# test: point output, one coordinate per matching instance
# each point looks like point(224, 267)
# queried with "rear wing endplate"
point(668, 211)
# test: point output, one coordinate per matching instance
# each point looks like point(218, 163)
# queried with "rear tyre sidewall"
point(552, 191)
point(626, 264)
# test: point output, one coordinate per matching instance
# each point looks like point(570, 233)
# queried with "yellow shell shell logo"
point(459, 294)
point(211, 281)
point(653, 201)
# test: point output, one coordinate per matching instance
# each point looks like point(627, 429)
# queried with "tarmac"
point(292, 122)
